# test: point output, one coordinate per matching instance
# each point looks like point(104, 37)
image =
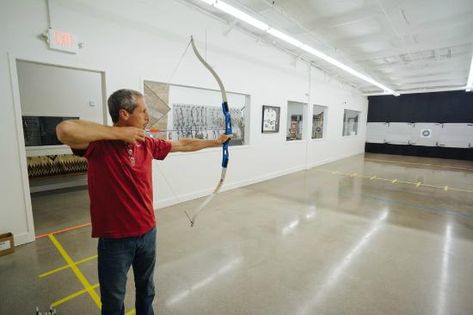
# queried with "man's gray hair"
point(122, 99)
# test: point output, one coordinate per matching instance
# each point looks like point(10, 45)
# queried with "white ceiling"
point(408, 45)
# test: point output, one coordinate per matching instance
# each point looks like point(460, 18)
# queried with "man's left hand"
point(222, 138)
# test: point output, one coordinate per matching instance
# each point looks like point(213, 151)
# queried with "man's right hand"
point(131, 135)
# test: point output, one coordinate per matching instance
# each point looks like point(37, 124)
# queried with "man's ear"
point(123, 114)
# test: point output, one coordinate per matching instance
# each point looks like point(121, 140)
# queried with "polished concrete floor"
point(371, 234)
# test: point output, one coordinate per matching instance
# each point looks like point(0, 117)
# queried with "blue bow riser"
point(228, 131)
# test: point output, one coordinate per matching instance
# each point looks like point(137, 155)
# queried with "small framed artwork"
point(270, 119)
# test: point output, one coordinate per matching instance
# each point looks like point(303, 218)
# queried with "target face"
point(426, 133)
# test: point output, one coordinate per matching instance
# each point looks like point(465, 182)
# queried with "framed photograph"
point(270, 119)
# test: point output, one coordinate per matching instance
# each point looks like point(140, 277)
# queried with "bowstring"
point(168, 82)
point(179, 62)
point(179, 200)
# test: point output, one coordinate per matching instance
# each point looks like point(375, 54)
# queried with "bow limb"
point(212, 71)
point(228, 131)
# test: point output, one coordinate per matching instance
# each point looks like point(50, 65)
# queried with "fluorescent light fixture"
point(209, 2)
point(240, 15)
point(284, 37)
point(469, 83)
point(288, 39)
point(346, 68)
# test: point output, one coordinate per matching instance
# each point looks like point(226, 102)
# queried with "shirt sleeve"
point(79, 152)
point(87, 153)
point(160, 148)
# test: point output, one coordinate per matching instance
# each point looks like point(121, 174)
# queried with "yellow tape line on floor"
point(406, 182)
point(460, 189)
point(423, 164)
point(73, 295)
point(78, 293)
point(394, 181)
point(87, 286)
point(48, 273)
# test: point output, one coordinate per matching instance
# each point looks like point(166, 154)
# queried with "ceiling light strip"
point(290, 40)
point(284, 37)
point(240, 15)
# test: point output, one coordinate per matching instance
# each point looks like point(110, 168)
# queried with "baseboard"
point(23, 238)
point(333, 159)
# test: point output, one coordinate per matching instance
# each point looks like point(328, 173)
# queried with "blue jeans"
point(115, 256)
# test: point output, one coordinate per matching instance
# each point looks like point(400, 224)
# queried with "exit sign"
point(63, 41)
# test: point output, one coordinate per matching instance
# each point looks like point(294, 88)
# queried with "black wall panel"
point(416, 150)
point(441, 107)
point(438, 107)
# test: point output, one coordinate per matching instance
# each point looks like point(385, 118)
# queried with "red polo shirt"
point(120, 186)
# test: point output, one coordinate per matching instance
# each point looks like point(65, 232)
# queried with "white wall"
point(135, 40)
